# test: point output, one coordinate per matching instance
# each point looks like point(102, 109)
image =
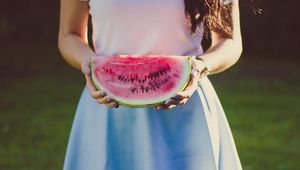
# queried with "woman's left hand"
point(181, 98)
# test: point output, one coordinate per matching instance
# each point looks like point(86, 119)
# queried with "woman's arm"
point(72, 39)
point(224, 52)
point(73, 45)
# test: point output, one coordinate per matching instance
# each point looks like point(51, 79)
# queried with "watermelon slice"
point(141, 81)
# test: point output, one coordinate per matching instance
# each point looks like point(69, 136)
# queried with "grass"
point(40, 92)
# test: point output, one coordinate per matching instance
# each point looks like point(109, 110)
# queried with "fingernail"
point(170, 102)
point(109, 99)
point(86, 71)
point(102, 93)
point(178, 96)
point(114, 104)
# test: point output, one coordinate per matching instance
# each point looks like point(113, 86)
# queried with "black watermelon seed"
point(142, 88)
point(147, 88)
point(134, 89)
point(157, 74)
point(154, 87)
point(161, 72)
point(154, 75)
point(151, 88)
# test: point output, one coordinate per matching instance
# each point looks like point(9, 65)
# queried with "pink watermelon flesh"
point(139, 81)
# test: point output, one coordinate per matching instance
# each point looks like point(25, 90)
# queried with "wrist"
point(85, 64)
point(88, 58)
point(206, 69)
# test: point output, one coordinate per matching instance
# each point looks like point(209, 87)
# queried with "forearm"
point(224, 51)
point(74, 49)
point(223, 55)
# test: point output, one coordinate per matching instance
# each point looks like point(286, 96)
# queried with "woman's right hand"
point(100, 96)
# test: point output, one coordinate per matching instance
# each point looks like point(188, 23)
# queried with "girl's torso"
point(143, 27)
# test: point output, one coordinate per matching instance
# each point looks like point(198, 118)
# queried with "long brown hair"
point(215, 15)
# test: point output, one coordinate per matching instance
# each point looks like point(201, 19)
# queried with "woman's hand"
point(181, 98)
point(98, 95)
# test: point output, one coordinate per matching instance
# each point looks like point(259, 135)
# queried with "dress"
point(195, 136)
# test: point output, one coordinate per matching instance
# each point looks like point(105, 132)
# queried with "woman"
point(195, 134)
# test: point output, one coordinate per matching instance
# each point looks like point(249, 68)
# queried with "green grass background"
point(39, 94)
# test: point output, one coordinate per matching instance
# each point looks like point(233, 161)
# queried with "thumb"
point(85, 68)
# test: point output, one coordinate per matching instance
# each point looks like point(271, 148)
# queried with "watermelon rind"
point(187, 71)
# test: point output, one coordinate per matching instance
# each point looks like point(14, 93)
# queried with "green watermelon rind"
point(98, 86)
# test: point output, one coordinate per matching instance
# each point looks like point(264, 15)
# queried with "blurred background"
point(39, 91)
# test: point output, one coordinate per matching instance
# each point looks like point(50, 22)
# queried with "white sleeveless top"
point(143, 27)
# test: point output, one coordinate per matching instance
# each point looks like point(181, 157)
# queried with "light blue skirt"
point(195, 136)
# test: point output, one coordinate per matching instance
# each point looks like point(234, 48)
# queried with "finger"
point(92, 89)
point(172, 106)
point(85, 68)
point(166, 107)
point(197, 67)
point(114, 104)
point(182, 102)
point(90, 84)
point(104, 100)
point(194, 65)
point(178, 97)
point(173, 101)
point(97, 94)
point(187, 92)
point(109, 105)
point(169, 101)
point(196, 73)
point(194, 80)
point(158, 107)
